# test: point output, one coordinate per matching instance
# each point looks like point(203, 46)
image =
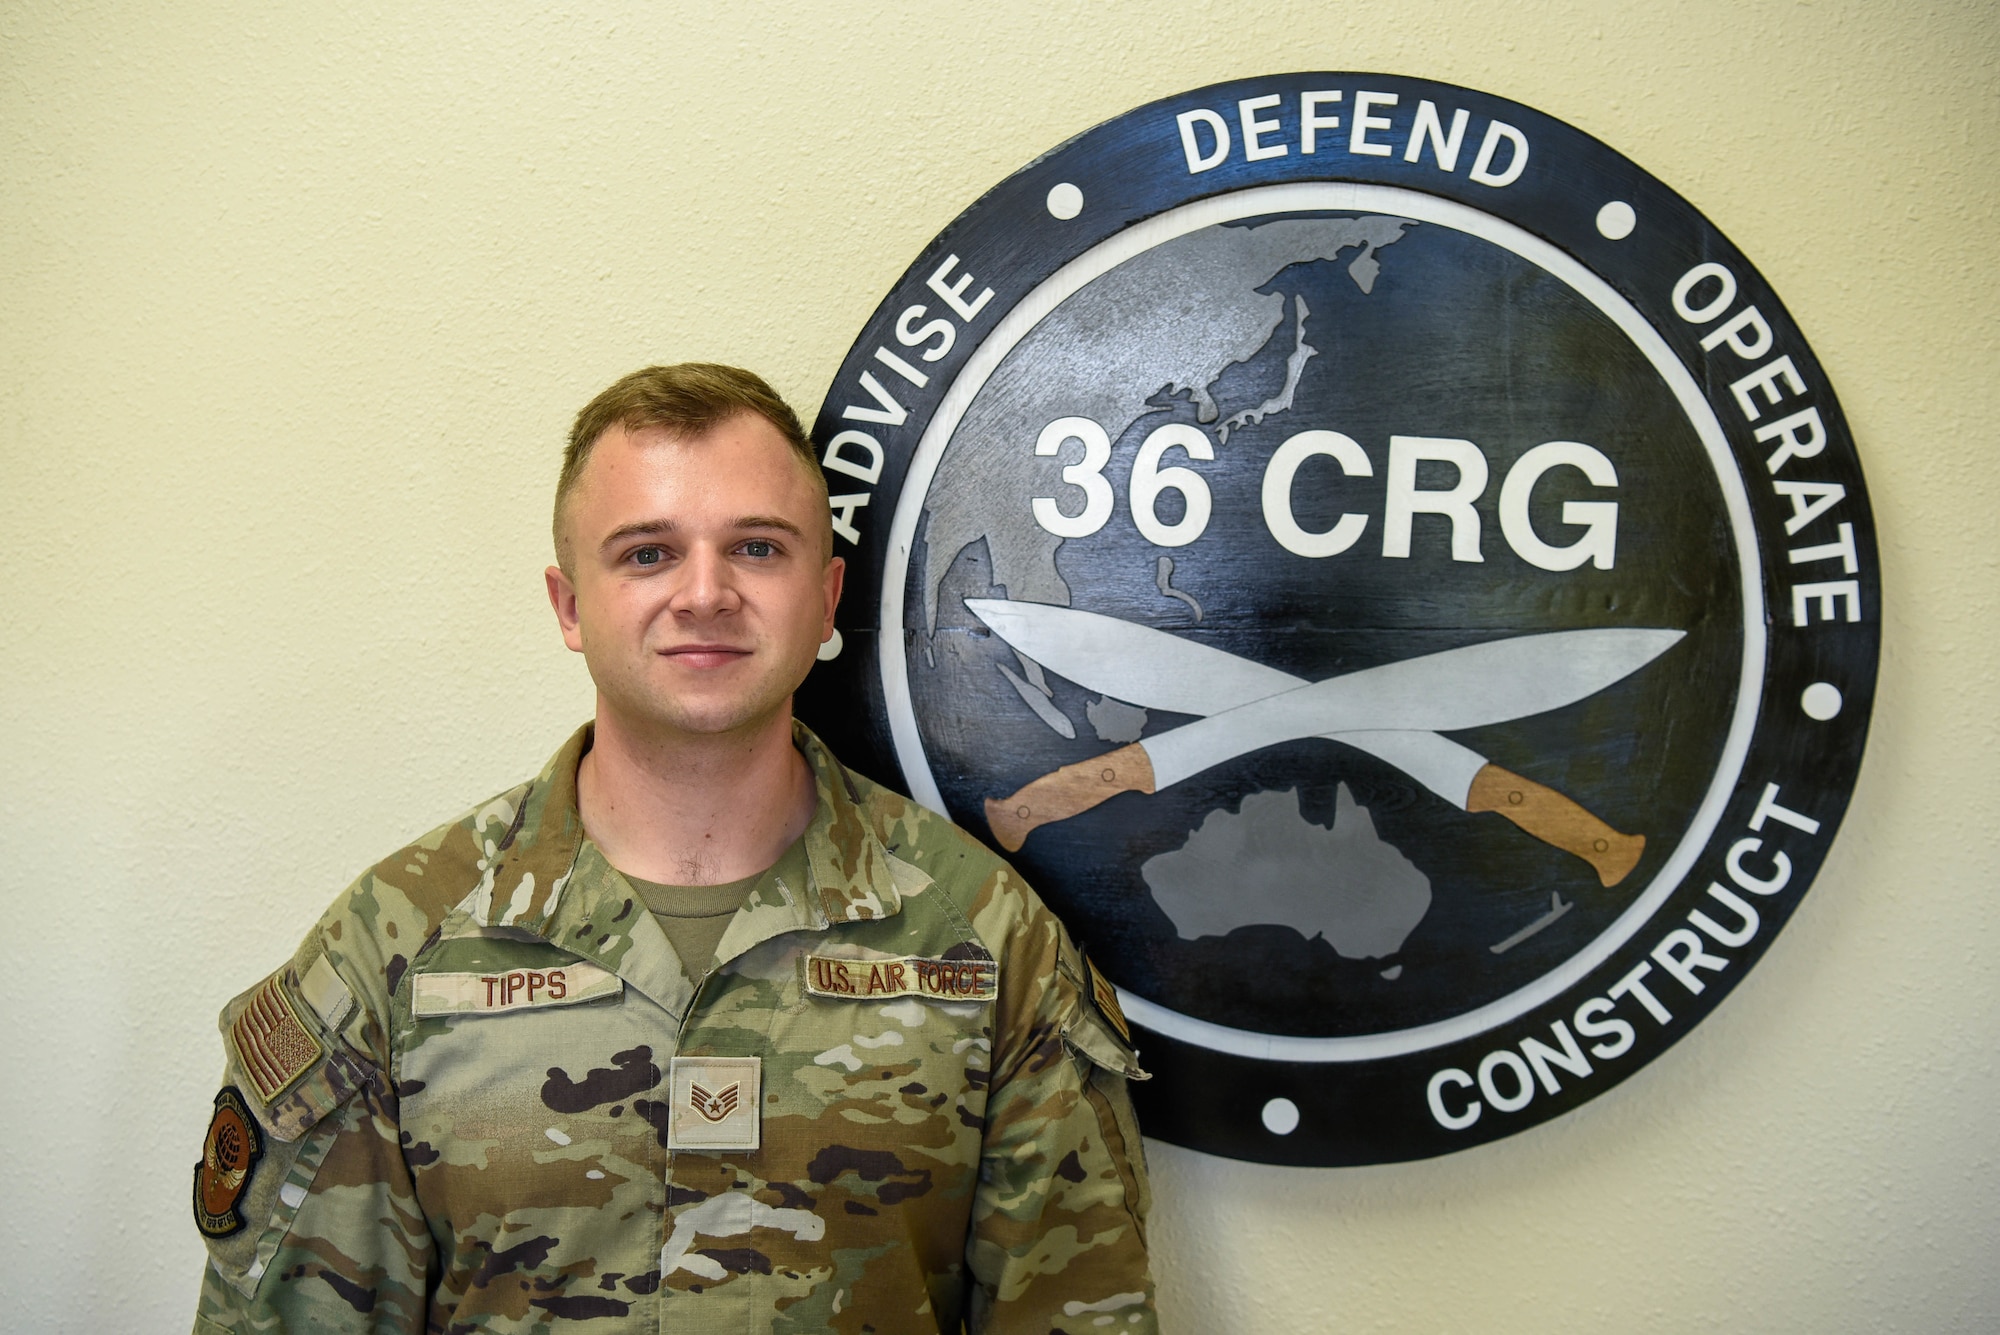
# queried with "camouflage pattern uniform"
point(924, 1164)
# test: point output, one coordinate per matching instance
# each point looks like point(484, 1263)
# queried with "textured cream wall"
point(294, 308)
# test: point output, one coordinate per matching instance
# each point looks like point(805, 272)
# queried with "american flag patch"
point(274, 1047)
point(1106, 997)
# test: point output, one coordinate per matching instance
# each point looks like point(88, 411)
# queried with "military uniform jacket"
point(485, 1095)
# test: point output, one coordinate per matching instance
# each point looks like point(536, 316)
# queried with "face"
point(699, 586)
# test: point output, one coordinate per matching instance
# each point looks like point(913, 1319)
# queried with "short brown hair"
point(688, 399)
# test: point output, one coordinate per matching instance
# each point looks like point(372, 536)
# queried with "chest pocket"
point(528, 1075)
point(288, 1075)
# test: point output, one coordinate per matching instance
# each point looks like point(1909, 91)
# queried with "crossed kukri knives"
point(1394, 712)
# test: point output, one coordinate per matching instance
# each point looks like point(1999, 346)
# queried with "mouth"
point(705, 656)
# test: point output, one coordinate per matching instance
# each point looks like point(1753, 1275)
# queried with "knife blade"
point(1152, 667)
point(1159, 670)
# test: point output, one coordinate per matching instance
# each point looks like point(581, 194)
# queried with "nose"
point(707, 585)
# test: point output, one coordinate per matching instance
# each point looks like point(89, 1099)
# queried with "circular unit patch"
point(1387, 570)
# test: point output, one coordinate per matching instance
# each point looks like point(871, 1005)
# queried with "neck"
point(687, 810)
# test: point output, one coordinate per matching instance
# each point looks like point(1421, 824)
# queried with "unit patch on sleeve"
point(902, 976)
point(228, 1153)
point(273, 1044)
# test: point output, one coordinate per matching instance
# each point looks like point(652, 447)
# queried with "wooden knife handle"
point(1067, 792)
point(1555, 820)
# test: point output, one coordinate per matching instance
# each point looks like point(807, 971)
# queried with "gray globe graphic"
point(1312, 887)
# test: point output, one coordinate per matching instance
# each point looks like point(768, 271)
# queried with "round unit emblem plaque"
point(1391, 575)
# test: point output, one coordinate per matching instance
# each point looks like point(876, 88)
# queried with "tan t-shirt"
point(695, 917)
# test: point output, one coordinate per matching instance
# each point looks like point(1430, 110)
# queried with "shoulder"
point(352, 961)
point(918, 835)
point(1046, 982)
point(380, 921)
point(981, 884)
point(512, 850)
point(310, 1034)
point(1055, 978)
point(334, 994)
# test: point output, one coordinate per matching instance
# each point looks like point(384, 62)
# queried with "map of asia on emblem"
point(1387, 570)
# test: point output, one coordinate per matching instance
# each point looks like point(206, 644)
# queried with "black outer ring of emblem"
point(1133, 167)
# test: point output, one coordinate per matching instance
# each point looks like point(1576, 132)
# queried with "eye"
point(760, 547)
point(648, 556)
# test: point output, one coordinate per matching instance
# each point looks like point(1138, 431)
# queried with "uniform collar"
point(539, 833)
point(851, 870)
point(536, 883)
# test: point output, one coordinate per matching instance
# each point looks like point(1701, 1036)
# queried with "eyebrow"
point(660, 528)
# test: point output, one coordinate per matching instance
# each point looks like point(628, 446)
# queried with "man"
point(698, 1030)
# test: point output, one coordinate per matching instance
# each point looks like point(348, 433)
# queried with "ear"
point(562, 597)
point(833, 578)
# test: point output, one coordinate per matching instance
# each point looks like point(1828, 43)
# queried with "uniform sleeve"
point(1059, 1216)
point(302, 1194)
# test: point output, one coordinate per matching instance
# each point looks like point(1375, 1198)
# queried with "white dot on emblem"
point(1281, 1117)
point(1616, 220)
point(1065, 201)
point(831, 649)
point(1821, 700)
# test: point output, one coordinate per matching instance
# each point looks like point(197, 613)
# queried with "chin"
point(658, 708)
point(718, 718)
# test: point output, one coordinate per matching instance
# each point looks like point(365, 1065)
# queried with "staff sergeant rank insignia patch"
point(228, 1153)
point(715, 1103)
point(1388, 572)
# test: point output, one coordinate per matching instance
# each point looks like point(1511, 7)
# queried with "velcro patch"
point(511, 990)
point(322, 990)
point(902, 976)
point(228, 1153)
point(715, 1103)
point(271, 1042)
point(1106, 997)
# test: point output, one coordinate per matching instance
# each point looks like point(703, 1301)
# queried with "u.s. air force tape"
point(902, 976)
